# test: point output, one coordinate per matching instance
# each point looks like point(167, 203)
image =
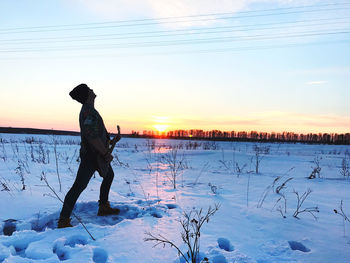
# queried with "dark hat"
point(80, 93)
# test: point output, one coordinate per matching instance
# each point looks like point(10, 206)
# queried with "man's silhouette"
point(94, 142)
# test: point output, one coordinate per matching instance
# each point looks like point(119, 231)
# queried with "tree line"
point(326, 138)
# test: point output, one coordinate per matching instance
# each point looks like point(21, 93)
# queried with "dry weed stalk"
point(280, 191)
point(191, 224)
point(176, 164)
point(342, 214)
point(345, 167)
point(54, 140)
point(260, 152)
point(317, 169)
point(301, 200)
point(43, 178)
point(266, 191)
point(205, 167)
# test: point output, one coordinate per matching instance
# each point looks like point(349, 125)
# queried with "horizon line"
point(156, 133)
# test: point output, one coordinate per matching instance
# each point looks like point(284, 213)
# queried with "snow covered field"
point(254, 223)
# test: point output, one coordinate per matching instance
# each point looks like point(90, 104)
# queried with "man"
point(94, 142)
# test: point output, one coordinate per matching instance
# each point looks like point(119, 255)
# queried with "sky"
point(261, 65)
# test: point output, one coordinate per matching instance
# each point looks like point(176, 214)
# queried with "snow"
point(248, 227)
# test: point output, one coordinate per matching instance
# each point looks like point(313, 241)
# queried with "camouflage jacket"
point(91, 127)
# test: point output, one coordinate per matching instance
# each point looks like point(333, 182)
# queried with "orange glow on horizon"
point(160, 127)
point(161, 123)
point(260, 122)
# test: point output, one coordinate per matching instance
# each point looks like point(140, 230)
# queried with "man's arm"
point(101, 149)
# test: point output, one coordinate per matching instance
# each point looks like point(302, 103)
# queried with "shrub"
point(191, 223)
point(316, 168)
point(176, 163)
point(345, 167)
point(301, 200)
point(260, 152)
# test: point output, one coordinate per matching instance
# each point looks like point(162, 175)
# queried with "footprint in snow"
point(61, 250)
point(294, 245)
point(76, 240)
point(9, 227)
point(225, 244)
point(171, 206)
point(100, 255)
point(18, 244)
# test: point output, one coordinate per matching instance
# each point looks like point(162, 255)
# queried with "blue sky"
point(253, 76)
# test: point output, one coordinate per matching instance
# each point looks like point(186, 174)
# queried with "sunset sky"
point(262, 65)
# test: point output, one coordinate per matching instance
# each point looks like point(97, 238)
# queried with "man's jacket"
point(91, 127)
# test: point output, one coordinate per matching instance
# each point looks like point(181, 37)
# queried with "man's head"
point(82, 93)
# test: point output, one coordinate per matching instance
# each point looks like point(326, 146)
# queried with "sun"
point(161, 123)
point(160, 127)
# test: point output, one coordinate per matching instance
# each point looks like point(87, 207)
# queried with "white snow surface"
point(243, 230)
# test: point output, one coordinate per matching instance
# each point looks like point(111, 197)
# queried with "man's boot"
point(64, 222)
point(105, 209)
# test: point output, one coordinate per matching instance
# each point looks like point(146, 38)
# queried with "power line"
point(153, 34)
point(180, 17)
point(197, 51)
point(252, 48)
point(152, 21)
point(180, 42)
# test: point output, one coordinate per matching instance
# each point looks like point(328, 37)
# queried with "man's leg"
point(85, 172)
point(104, 207)
point(106, 185)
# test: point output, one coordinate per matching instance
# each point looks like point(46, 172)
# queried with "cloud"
point(163, 8)
point(117, 9)
point(309, 122)
point(131, 9)
point(325, 121)
point(170, 8)
point(228, 121)
point(318, 82)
